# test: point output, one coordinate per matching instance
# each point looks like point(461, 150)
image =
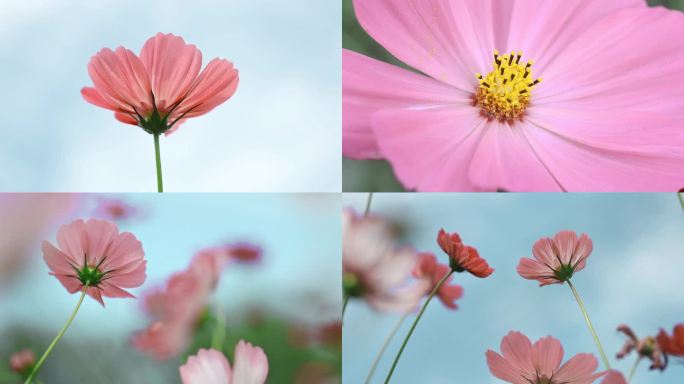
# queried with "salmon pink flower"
point(462, 257)
point(672, 345)
point(428, 268)
point(614, 377)
point(22, 361)
point(556, 260)
point(210, 366)
point(540, 363)
point(647, 347)
point(94, 255)
point(375, 269)
point(161, 88)
point(474, 113)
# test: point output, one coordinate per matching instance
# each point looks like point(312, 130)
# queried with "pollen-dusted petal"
point(172, 65)
point(369, 85)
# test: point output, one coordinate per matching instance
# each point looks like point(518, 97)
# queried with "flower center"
point(564, 272)
point(90, 276)
point(544, 380)
point(351, 284)
point(505, 92)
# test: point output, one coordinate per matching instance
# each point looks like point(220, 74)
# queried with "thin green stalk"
point(415, 322)
point(218, 337)
point(345, 301)
point(634, 367)
point(368, 204)
point(157, 155)
point(591, 327)
point(382, 350)
point(680, 195)
point(40, 362)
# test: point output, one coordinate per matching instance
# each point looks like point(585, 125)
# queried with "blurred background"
point(633, 276)
point(279, 132)
point(377, 175)
point(289, 303)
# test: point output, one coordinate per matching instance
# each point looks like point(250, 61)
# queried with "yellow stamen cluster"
point(505, 92)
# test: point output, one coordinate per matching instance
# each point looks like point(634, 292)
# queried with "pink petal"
point(547, 354)
point(565, 242)
point(173, 65)
point(110, 290)
point(92, 96)
point(216, 84)
point(72, 240)
point(123, 250)
point(430, 149)
point(370, 85)
point(504, 369)
point(126, 118)
point(614, 377)
point(447, 40)
point(96, 294)
point(71, 283)
point(517, 349)
point(56, 260)
point(543, 251)
point(582, 251)
point(209, 366)
point(250, 365)
point(579, 370)
point(100, 234)
point(531, 269)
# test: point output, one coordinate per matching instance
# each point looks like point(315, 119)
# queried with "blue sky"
point(279, 132)
point(173, 228)
point(633, 276)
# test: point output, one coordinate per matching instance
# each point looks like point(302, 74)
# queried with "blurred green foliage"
point(377, 175)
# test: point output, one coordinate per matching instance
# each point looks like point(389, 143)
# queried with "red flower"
point(462, 257)
point(646, 347)
point(427, 267)
point(672, 345)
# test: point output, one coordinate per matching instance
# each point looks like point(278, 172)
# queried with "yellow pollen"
point(505, 92)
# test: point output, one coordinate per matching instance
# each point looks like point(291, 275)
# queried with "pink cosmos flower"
point(614, 377)
point(647, 347)
point(239, 252)
point(476, 115)
point(556, 260)
point(522, 362)
point(22, 361)
point(160, 88)
point(176, 307)
point(115, 210)
point(210, 366)
point(428, 268)
point(94, 254)
point(375, 269)
point(462, 257)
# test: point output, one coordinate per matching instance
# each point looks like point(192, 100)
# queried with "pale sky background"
point(279, 132)
point(633, 276)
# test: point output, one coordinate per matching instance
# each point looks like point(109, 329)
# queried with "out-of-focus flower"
point(115, 210)
point(462, 257)
point(428, 268)
point(210, 366)
point(523, 362)
point(25, 219)
point(472, 113)
point(22, 361)
point(647, 347)
point(672, 345)
point(375, 269)
point(240, 252)
point(176, 307)
point(160, 89)
point(614, 377)
point(94, 254)
point(316, 372)
point(556, 260)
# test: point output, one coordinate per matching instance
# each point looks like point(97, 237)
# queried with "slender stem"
point(368, 204)
point(382, 350)
point(157, 155)
point(591, 327)
point(415, 322)
point(40, 362)
point(345, 301)
point(219, 336)
point(680, 195)
point(634, 367)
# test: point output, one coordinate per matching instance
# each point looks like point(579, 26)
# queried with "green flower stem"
point(157, 155)
point(40, 362)
point(345, 301)
point(591, 327)
point(368, 204)
point(382, 350)
point(415, 322)
point(634, 367)
point(218, 337)
point(680, 195)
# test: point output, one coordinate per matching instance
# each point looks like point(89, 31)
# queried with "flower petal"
point(580, 369)
point(547, 355)
point(250, 365)
point(209, 366)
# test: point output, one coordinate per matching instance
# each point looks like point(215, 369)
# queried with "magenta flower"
point(210, 366)
point(94, 255)
point(375, 269)
point(476, 115)
point(428, 268)
point(556, 260)
point(523, 362)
